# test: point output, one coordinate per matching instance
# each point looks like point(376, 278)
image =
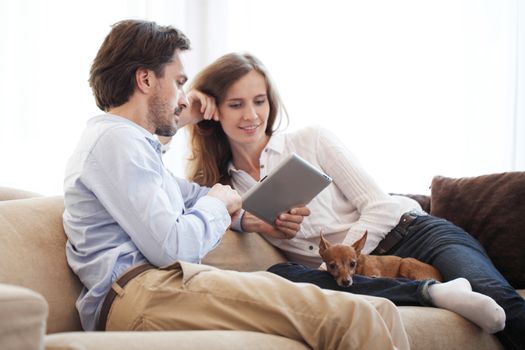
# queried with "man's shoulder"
point(104, 138)
point(105, 123)
point(110, 132)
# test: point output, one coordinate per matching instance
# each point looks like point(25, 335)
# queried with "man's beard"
point(157, 112)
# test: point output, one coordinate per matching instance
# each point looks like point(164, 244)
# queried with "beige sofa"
point(38, 293)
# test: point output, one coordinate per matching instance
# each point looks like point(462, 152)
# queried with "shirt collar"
point(231, 168)
point(276, 143)
point(155, 143)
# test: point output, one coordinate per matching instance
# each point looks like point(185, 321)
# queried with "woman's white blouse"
point(352, 204)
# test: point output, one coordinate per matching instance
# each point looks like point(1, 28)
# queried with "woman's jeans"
point(453, 252)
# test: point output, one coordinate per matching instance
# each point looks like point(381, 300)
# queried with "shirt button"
point(266, 149)
point(311, 247)
point(262, 166)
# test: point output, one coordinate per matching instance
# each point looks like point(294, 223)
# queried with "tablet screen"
point(292, 183)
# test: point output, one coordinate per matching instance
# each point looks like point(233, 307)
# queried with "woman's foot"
point(457, 296)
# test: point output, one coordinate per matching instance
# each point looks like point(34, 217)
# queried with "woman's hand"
point(201, 107)
point(286, 225)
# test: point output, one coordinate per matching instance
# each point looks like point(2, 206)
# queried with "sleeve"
point(237, 224)
point(129, 183)
point(191, 191)
point(379, 212)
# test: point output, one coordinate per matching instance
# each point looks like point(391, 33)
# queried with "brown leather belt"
point(121, 281)
point(397, 233)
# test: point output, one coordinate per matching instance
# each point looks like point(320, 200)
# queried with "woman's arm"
point(379, 212)
point(286, 225)
point(200, 107)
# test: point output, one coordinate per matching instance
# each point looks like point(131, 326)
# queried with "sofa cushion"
point(32, 246)
point(180, 340)
point(8, 193)
point(491, 208)
point(243, 252)
point(431, 328)
point(23, 318)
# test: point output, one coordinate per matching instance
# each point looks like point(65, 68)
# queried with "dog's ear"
point(359, 244)
point(323, 244)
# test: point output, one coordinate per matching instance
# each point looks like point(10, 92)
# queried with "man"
point(136, 234)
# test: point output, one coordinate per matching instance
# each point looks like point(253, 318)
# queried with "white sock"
point(457, 296)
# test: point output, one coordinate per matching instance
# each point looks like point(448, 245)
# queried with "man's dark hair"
point(131, 45)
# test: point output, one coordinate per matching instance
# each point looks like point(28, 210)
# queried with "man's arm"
point(132, 185)
point(191, 191)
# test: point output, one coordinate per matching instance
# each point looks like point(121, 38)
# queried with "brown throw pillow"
point(492, 209)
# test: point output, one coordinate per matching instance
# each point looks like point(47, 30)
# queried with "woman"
point(238, 146)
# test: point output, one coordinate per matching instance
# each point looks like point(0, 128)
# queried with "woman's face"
point(245, 109)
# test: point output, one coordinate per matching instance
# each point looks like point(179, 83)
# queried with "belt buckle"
point(406, 219)
point(391, 239)
point(397, 234)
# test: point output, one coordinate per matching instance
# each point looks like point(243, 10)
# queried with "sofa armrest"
point(22, 318)
point(8, 193)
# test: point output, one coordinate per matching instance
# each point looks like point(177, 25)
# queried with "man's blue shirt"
point(123, 208)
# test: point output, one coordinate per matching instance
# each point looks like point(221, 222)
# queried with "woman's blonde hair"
point(210, 150)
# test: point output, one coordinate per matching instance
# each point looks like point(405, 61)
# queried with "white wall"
point(415, 88)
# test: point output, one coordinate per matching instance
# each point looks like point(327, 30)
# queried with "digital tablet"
point(292, 183)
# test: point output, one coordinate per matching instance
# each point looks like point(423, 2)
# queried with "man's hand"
point(286, 225)
point(231, 199)
point(201, 107)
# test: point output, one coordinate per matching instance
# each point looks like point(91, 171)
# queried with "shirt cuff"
point(215, 210)
point(237, 224)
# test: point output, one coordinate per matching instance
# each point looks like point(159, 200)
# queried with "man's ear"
point(144, 79)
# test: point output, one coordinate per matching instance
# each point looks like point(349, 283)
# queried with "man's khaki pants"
point(187, 296)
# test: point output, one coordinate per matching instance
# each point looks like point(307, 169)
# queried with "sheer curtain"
point(519, 114)
point(414, 88)
point(46, 51)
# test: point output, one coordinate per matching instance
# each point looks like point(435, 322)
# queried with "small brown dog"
point(343, 261)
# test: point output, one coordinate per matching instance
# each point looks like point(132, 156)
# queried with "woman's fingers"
point(208, 107)
point(288, 224)
point(303, 211)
